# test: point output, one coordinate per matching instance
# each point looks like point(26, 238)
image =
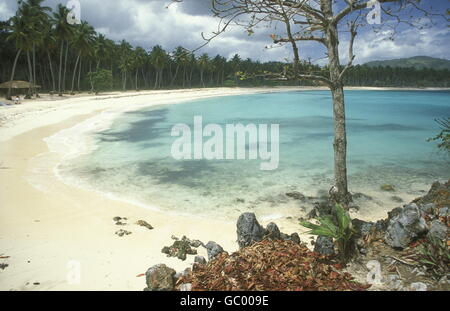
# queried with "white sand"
point(47, 226)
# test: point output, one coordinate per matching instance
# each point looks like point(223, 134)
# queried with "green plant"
point(340, 230)
point(101, 80)
point(435, 255)
point(444, 136)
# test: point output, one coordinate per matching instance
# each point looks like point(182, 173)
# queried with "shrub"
point(435, 255)
point(102, 80)
point(341, 231)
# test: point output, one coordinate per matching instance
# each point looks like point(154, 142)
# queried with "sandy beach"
point(47, 226)
point(44, 230)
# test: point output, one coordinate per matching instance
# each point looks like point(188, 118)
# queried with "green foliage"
point(229, 83)
point(102, 80)
point(444, 136)
point(435, 255)
point(340, 230)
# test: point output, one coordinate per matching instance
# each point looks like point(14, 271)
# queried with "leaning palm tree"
point(19, 35)
point(36, 15)
point(63, 31)
point(82, 41)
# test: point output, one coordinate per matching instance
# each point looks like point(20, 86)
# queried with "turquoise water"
point(387, 132)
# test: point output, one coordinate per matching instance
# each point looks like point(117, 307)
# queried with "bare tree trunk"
point(65, 67)
point(60, 68)
point(79, 75)
point(30, 70)
point(51, 70)
point(13, 72)
point(339, 192)
point(74, 72)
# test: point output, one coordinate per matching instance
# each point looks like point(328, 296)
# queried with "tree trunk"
point(65, 67)
point(75, 72)
point(34, 70)
point(79, 75)
point(60, 68)
point(30, 70)
point(339, 192)
point(13, 72)
point(51, 70)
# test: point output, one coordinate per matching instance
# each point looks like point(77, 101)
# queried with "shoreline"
point(38, 222)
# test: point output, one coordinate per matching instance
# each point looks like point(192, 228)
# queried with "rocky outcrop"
point(324, 245)
point(249, 230)
point(213, 249)
point(160, 278)
point(405, 227)
point(438, 230)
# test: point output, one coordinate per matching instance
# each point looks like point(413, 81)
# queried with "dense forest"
point(39, 45)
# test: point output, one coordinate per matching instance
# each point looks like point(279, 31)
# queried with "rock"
point(296, 195)
point(444, 280)
point(200, 260)
point(418, 287)
point(273, 232)
point(122, 232)
point(362, 228)
point(248, 230)
point(187, 287)
point(393, 282)
point(160, 278)
point(396, 211)
point(145, 224)
point(404, 228)
point(444, 212)
point(295, 238)
point(438, 230)
point(117, 218)
point(196, 243)
point(427, 208)
point(396, 199)
point(324, 245)
point(213, 249)
point(438, 193)
point(387, 187)
point(3, 266)
point(180, 248)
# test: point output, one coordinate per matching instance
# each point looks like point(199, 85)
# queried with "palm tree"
point(37, 16)
point(63, 31)
point(50, 44)
point(125, 60)
point(181, 59)
point(82, 41)
point(204, 64)
point(20, 37)
point(159, 59)
point(139, 57)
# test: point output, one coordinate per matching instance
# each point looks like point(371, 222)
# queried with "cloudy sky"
point(149, 22)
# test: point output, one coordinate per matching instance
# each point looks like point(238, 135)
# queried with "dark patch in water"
point(142, 130)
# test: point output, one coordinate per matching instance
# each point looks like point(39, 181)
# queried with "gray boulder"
point(200, 260)
point(187, 287)
point(160, 278)
point(213, 249)
point(273, 232)
point(405, 227)
point(249, 230)
point(324, 245)
point(438, 230)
